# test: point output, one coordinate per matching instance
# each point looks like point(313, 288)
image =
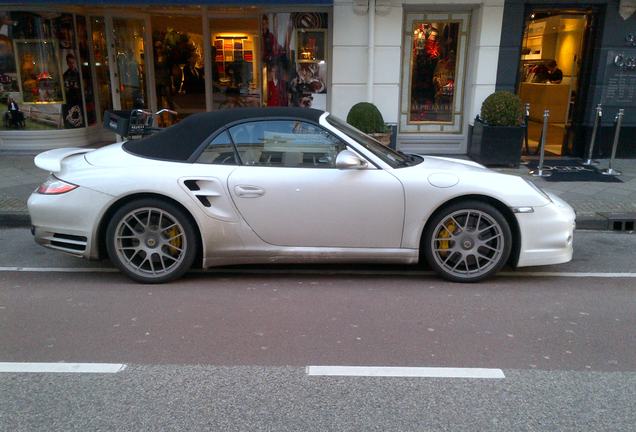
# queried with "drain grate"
point(622, 225)
point(621, 221)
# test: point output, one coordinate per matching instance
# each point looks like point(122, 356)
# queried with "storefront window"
point(433, 71)
point(39, 71)
point(235, 74)
point(179, 70)
point(294, 59)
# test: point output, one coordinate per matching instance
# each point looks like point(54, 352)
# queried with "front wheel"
point(151, 241)
point(467, 241)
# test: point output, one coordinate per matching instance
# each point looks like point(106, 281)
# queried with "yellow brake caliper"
point(444, 245)
point(175, 240)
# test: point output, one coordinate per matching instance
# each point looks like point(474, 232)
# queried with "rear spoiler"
point(52, 160)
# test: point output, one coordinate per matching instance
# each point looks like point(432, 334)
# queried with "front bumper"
point(547, 234)
point(68, 222)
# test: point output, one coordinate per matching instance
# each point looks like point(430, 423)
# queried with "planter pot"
point(495, 145)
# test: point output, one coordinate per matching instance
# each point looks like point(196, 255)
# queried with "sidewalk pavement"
point(599, 206)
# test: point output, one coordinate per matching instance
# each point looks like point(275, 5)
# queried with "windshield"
point(394, 158)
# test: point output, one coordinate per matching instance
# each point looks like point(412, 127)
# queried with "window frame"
point(226, 129)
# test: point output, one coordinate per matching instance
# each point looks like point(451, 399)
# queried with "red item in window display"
point(426, 40)
point(276, 93)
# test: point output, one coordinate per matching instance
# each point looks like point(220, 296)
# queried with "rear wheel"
point(151, 241)
point(467, 241)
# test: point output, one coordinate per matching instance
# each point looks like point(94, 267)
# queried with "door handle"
point(245, 191)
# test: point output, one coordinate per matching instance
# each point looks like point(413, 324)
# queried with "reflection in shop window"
point(433, 71)
point(102, 68)
point(294, 59)
point(128, 41)
point(179, 69)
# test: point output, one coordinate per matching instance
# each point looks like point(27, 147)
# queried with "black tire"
point(467, 241)
point(151, 241)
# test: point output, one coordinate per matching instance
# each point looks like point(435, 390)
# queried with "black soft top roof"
point(179, 142)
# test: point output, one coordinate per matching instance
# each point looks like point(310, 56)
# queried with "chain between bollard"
point(617, 132)
point(597, 118)
point(539, 172)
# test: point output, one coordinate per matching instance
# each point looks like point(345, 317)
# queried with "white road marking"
point(419, 372)
point(59, 269)
point(104, 368)
point(568, 274)
point(528, 274)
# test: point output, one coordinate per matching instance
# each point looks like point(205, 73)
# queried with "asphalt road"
point(227, 350)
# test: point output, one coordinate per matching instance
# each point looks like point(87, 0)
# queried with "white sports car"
point(289, 185)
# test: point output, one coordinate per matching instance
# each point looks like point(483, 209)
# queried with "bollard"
point(597, 119)
point(544, 132)
point(526, 117)
point(619, 121)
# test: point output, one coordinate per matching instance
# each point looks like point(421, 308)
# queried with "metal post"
point(526, 117)
point(597, 120)
point(544, 132)
point(617, 133)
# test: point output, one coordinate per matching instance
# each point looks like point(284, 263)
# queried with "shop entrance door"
point(553, 59)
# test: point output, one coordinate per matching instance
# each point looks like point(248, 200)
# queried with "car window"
point(286, 143)
point(220, 151)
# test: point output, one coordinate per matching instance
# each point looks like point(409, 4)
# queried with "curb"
point(594, 222)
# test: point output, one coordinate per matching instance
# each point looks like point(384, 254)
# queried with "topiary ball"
point(366, 117)
point(502, 108)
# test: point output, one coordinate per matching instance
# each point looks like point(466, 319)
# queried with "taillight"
point(55, 186)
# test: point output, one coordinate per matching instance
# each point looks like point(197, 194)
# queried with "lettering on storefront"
point(620, 79)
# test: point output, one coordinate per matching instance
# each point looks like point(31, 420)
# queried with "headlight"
point(538, 189)
point(55, 186)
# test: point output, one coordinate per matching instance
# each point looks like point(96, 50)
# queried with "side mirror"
point(347, 159)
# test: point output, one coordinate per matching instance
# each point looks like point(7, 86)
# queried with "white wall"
point(350, 54)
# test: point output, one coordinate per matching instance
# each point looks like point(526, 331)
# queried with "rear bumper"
point(68, 222)
point(547, 234)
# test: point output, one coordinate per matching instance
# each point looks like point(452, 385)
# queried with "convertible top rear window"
point(180, 142)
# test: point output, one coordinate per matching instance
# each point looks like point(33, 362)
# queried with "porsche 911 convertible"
point(289, 185)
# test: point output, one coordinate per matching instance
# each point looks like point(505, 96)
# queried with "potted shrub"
point(367, 117)
point(497, 136)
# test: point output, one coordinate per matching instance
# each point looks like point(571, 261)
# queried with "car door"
point(291, 194)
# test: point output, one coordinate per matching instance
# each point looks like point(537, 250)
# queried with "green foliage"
point(502, 108)
point(366, 117)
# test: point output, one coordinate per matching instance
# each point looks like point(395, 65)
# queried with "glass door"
point(128, 53)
